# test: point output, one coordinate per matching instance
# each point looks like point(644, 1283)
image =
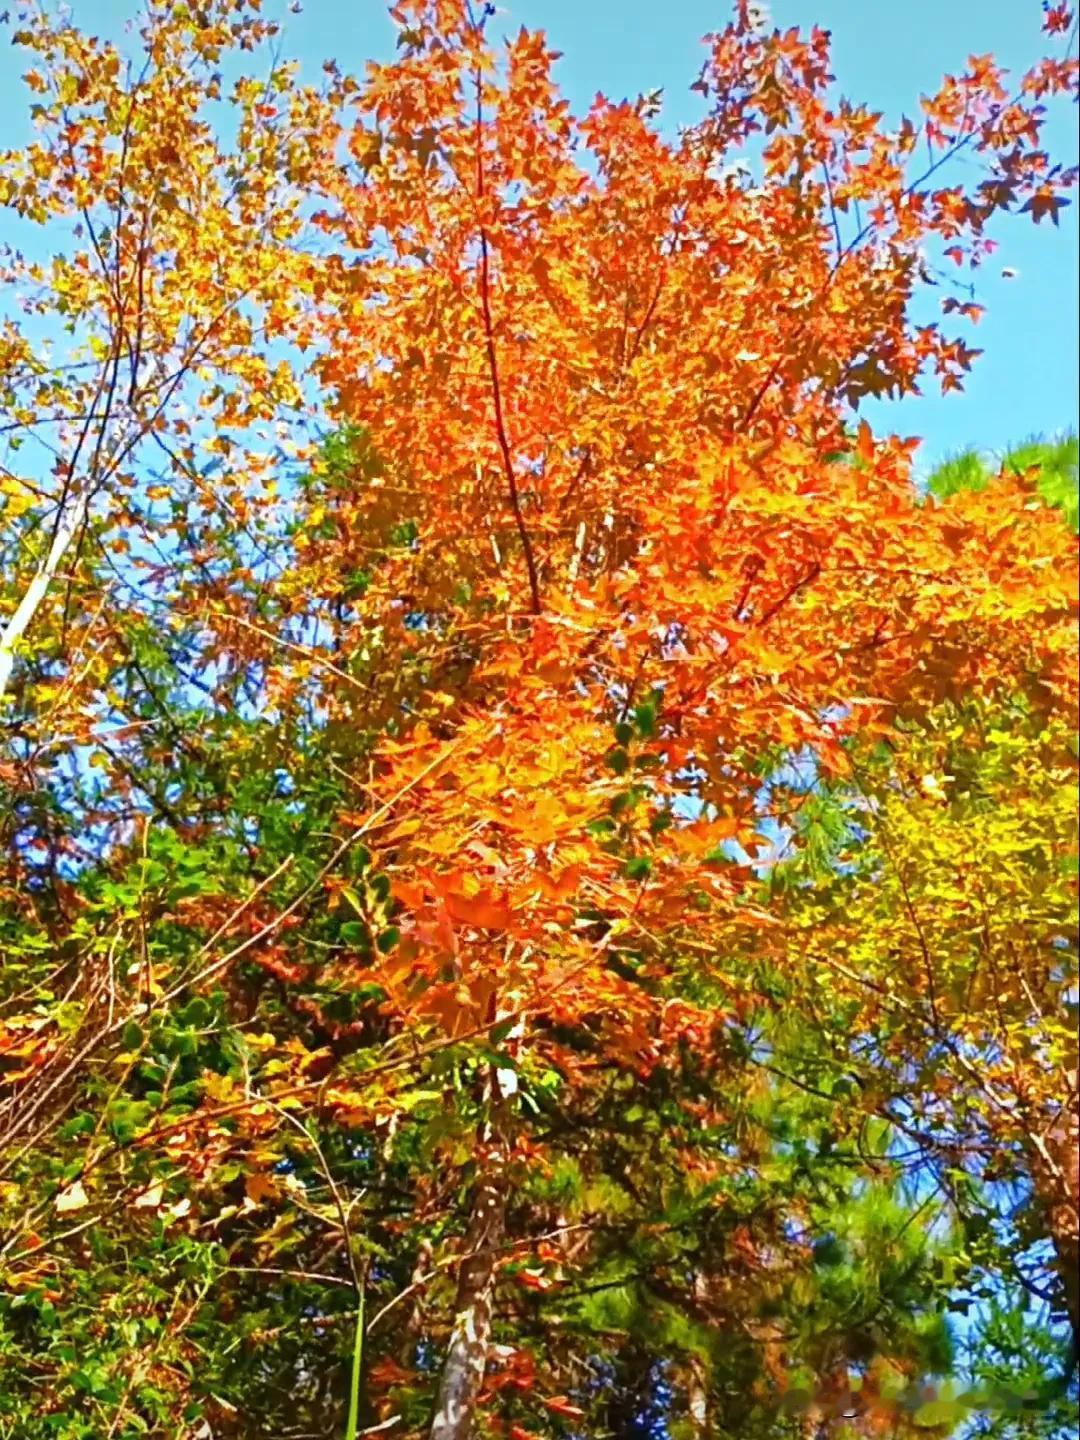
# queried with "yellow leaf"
point(19, 498)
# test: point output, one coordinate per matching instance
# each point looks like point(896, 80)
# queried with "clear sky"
point(885, 54)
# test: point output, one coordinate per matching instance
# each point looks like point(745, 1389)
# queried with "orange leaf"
point(484, 910)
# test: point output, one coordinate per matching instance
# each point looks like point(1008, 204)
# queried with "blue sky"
point(885, 54)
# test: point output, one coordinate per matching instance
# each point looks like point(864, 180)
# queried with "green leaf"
point(935, 1413)
point(645, 718)
point(196, 1012)
point(379, 885)
point(353, 898)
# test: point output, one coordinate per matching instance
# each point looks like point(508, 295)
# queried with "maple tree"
point(405, 1024)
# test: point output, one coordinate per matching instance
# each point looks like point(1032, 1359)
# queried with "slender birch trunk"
point(71, 522)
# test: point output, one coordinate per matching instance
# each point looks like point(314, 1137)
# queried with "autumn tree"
point(961, 827)
point(392, 973)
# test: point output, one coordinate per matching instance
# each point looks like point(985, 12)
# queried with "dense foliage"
point(539, 882)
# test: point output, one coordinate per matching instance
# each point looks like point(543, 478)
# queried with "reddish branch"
point(493, 361)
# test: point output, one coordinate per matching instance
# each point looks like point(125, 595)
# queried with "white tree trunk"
point(71, 520)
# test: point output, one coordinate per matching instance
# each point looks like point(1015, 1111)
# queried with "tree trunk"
point(72, 516)
point(466, 1357)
